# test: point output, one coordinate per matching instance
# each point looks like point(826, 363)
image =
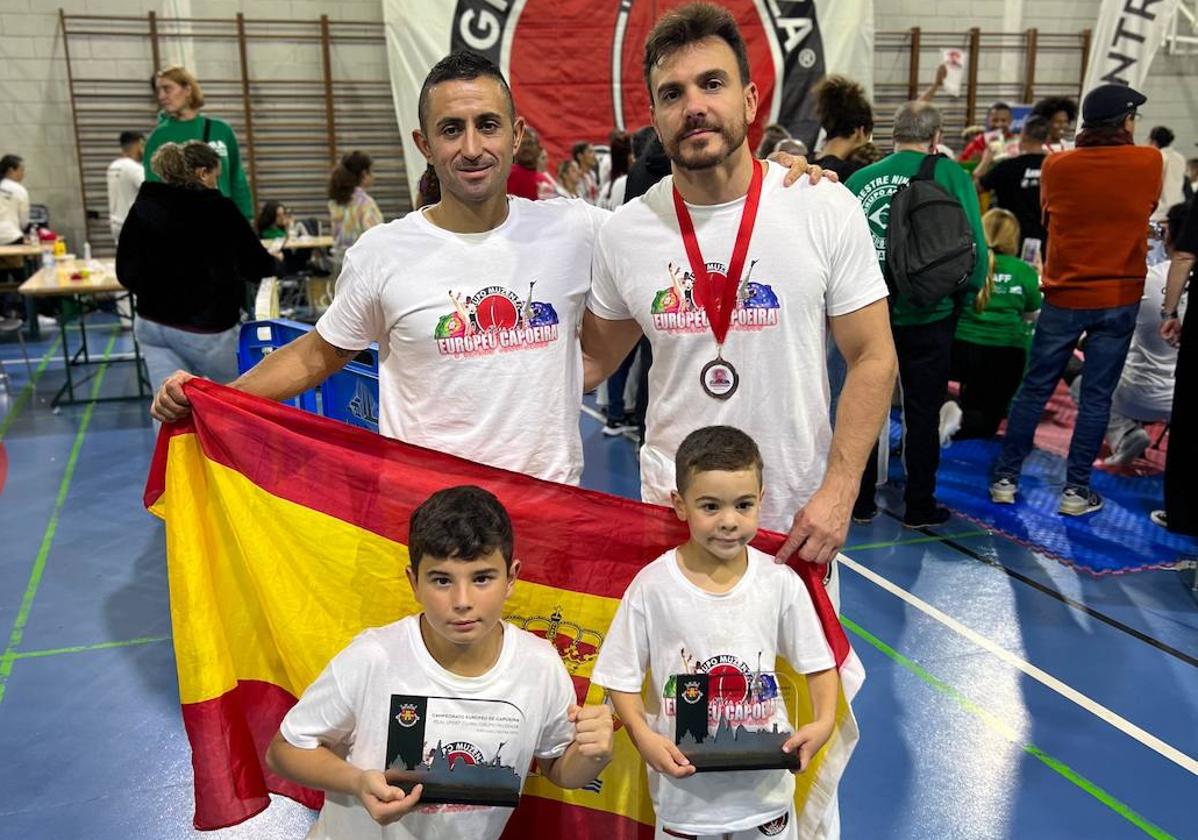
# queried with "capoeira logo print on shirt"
point(678, 308)
point(739, 694)
point(495, 320)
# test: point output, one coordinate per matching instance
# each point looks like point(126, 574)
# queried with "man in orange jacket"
point(1096, 201)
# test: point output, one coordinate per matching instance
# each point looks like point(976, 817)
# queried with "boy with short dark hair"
point(717, 606)
point(459, 652)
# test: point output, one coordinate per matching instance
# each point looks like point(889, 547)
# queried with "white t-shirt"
point(477, 333)
point(14, 210)
point(613, 193)
point(1173, 167)
point(125, 176)
point(348, 710)
point(1145, 390)
point(664, 619)
point(811, 257)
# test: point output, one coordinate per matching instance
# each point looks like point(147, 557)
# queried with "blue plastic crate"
point(351, 395)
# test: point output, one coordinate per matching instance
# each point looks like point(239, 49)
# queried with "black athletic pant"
point(924, 356)
point(989, 378)
point(1181, 459)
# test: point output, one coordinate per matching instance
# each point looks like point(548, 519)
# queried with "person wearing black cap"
point(1096, 200)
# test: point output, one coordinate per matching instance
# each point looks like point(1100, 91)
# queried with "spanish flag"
point(285, 537)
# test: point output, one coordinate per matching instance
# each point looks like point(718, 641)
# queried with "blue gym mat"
point(1119, 538)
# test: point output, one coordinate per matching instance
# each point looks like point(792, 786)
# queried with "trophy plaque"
point(726, 720)
point(454, 747)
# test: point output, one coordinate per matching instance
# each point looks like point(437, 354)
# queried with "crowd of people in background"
point(981, 338)
point(1037, 291)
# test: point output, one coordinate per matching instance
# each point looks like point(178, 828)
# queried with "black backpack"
point(930, 249)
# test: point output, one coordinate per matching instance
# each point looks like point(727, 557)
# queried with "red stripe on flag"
point(229, 736)
point(375, 483)
point(537, 817)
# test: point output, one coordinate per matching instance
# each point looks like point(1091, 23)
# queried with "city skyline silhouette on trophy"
point(726, 719)
point(454, 747)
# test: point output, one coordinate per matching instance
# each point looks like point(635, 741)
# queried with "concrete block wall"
point(34, 97)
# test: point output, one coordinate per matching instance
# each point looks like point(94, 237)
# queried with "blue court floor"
point(1007, 696)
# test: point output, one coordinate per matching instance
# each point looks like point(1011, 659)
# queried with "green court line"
point(1000, 726)
point(39, 565)
point(37, 654)
point(918, 540)
point(27, 391)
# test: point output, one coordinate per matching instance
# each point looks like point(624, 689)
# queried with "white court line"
point(1048, 680)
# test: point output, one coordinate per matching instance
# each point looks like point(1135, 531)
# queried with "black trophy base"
point(441, 793)
point(716, 757)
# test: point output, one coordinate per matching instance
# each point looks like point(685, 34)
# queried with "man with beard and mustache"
point(447, 291)
point(806, 267)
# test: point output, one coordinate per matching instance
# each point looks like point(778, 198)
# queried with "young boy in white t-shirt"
point(716, 606)
point(480, 690)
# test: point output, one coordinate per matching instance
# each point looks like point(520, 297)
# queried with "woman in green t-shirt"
point(994, 332)
point(180, 99)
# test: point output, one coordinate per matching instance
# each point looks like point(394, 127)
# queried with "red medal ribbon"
point(718, 296)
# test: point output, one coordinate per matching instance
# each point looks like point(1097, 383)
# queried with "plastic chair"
point(16, 325)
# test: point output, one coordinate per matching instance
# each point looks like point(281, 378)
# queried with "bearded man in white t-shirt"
point(475, 302)
point(809, 267)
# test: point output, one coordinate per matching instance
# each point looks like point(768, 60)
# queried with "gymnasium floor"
point(1007, 695)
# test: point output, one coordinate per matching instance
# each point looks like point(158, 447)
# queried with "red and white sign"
point(575, 66)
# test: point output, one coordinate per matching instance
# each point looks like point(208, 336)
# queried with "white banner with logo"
point(575, 65)
point(1126, 38)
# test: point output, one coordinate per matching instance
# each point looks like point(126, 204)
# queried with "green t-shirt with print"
point(1001, 324)
point(875, 186)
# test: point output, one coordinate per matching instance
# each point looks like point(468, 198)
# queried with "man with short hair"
point(1015, 181)
point(1096, 199)
point(125, 176)
point(998, 127)
point(737, 284)
point(475, 301)
point(1173, 169)
point(923, 335)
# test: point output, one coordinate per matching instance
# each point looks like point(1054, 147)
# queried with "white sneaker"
point(1002, 491)
point(950, 422)
point(1078, 501)
point(1131, 446)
